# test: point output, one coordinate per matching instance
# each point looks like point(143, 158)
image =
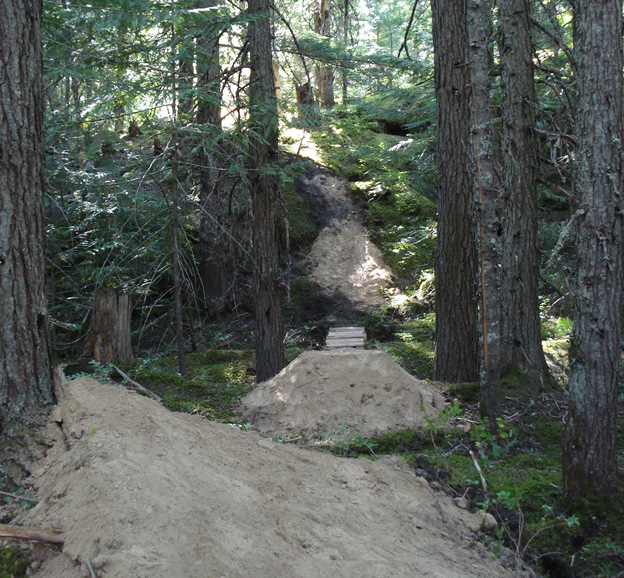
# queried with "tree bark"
point(213, 263)
point(25, 369)
point(456, 357)
point(590, 458)
point(109, 338)
point(264, 194)
point(521, 335)
point(176, 269)
point(487, 207)
point(324, 74)
point(345, 39)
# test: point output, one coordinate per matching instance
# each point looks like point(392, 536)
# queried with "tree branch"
point(407, 31)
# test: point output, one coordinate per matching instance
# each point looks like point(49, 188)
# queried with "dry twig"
point(478, 467)
point(137, 385)
point(34, 534)
point(10, 495)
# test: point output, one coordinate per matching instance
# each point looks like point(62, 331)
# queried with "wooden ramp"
point(345, 337)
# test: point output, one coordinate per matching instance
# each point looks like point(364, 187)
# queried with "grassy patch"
point(215, 381)
point(416, 358)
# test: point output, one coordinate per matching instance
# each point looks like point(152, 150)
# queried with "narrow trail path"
point(343, 261)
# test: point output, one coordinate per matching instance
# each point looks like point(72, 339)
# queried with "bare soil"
point(143, 492)
point(138, 491)
point(343, 261)
point(343, 391)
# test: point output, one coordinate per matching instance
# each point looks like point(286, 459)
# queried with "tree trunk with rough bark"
point(109, 340)
point(213, 261)
point(590, 467)
point(345, 39)
point(456, 335)
point(25, 370)
point(521, 335)
point(324, 74)
point(264, 194)
point(487, 207)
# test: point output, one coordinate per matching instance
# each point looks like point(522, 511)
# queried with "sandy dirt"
point(142, 492)
point(342, 260)
point(341, 391)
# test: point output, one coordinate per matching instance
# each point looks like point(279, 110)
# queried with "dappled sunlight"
point(298, 141)
point(371, 269)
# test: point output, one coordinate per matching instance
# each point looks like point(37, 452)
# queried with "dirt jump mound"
point(137, 491)
point(321, 391)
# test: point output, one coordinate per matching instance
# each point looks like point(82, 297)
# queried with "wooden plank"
point(357, 330)
point(333, 343)
point(346, 337)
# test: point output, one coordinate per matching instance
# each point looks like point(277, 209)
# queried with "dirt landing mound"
point(320, 391)
point(145, 493)
point(342, 259)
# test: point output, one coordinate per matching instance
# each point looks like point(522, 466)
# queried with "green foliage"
point(12, 562)
point(346, 441)
point(407, 440)
point(215, 382)
point(302, 231)
point(557, 328)
point(468, 392)
point(392, 181)
point(416, 358)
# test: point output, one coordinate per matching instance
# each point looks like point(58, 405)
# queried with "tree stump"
point(108, 340)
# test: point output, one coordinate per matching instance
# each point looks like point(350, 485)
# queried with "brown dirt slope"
point(342, 260)
point(321, 391)
point(143, 492)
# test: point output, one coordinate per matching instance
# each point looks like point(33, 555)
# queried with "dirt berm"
point(341, 391)
point(142, 492)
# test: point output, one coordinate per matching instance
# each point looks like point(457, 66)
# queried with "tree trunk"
point(175, 221)
point(25, 370)
point(487, 207)
point(345, 38)
point(456, 357)
point(176, 268)
point(521, 335)
point(590, 458)
point(109, 335)
point(264, 194)
point(324, 74)
point(213, 264)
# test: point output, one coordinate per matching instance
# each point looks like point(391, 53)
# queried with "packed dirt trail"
point(343, 261)
point(143, 492)
point(138, 491)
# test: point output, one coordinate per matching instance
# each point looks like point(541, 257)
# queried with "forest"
point(169, 167)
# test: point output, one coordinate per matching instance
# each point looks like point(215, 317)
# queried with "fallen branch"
point(10, 495)
point(476, 465)
point(24, 533)
point(292, 440)
point(137, 386)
